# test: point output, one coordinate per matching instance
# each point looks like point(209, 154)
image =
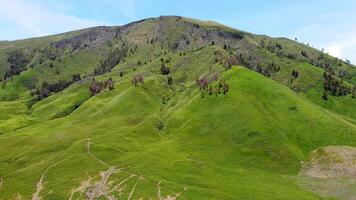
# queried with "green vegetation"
point(169, 107)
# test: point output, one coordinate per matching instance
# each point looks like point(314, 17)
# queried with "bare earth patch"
point(39, 186)
point(112, 189)
point(331, 172)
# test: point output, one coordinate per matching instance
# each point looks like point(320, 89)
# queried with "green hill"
point(197, 110)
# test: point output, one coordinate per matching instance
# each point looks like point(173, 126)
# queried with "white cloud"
point(338, 39)
point(334, 50)
point(37, 20)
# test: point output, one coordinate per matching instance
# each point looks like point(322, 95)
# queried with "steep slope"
point(246, 144)
point(166, 130)
point(97, 50)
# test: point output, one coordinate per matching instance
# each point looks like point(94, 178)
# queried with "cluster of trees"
point(47, 88)
point(206, 88)
point(18, 60)
point(304, 54)
point(138, 79)
point(272, 47)
point(96, 87)
point(52, 53)
point(113, 59)
point(334, 85)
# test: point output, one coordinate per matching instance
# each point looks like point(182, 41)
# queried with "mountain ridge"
point(165, 108)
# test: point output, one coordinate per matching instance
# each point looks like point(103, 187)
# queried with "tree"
point(110, 83)
point(225, 88)
point(202, 83)
point(164, 70)
point(169, 80)
point(325, 95)
point(138, 78)
point(76, 77)
point(295, 73)
point(95, 87)
point(304, 54)
point(211, 90)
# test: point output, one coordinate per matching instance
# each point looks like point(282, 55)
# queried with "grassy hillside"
point(250, 140)
point(175, 135)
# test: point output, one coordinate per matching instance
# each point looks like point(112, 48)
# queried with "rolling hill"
point(174, 108)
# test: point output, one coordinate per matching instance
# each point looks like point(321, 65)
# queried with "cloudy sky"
point(328, 24)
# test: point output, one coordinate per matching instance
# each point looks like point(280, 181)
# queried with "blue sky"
point(328, 24)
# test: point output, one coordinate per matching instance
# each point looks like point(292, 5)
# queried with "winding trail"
point(104, 188)
point(159, 195)
point(39, 185)
point(132, 192)
point(89, 142)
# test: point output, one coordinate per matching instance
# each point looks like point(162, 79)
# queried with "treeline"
point(18, 60)
point(48, 88)
point(96, 86)
point(335, 86)
point(206, 86)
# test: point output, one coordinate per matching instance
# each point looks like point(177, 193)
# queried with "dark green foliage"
point(335, 85)
point(291, 56)
point(237, 35)
point(164, 69)
point(113, 59)
point(17, 60)
point(304, 54)
point(295, 73)
point(52, 53)
point(76, 77)
point(325, 95)
point(169, 80)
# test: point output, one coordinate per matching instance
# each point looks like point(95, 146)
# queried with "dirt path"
point(81, 189)
point(89, 142)
point(104, 188)
point(39, 185)
point(159, 195)
point(132, 192)
point(101, 187)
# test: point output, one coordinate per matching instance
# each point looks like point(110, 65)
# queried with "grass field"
point(166, 142)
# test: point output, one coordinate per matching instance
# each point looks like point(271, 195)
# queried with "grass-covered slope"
point(164, 141)
point(246, 144)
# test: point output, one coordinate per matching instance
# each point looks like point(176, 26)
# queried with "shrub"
point(169, 80)
point(110, 83)
point(295, 73)
point(164, 69)
point(137, 79)
point(325, 95)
